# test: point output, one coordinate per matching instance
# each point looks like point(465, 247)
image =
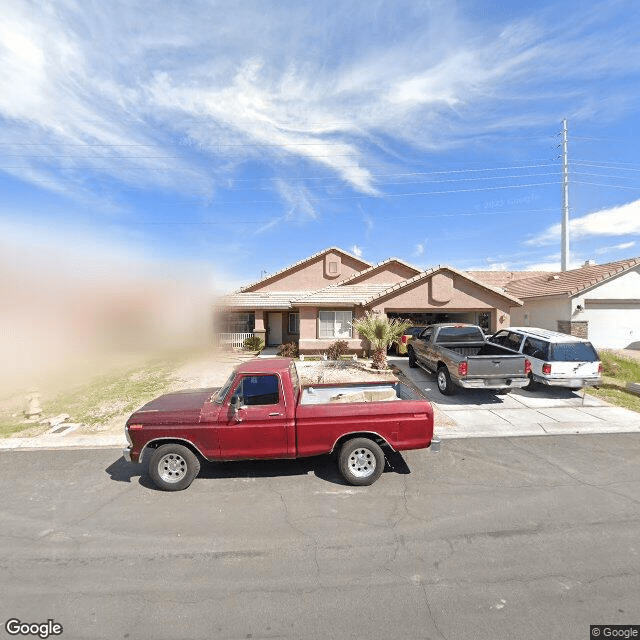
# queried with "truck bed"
point(353, 393)
point(478, 349)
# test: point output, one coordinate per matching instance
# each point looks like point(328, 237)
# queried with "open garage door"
point(422, 317)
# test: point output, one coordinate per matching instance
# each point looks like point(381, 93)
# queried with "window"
point(513, 341)
point(535, 348)
point(574, 352)
point(459, 334)
point(241, 322)
point(257, 390)
point(335, 324)
point(333, 267)
point(499, 338)
point(294, 323)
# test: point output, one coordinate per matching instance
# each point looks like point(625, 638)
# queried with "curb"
point(61, 442)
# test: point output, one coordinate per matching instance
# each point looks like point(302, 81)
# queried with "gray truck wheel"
point(445, 386)
point(361, 461)
point(173, 467)
point(412, 358)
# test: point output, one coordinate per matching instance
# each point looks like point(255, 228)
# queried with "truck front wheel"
point(173, 467)
point(412, 358)
point(445, 386)
point(361, 461)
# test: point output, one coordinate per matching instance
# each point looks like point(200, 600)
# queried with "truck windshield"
point(573, 352)
point(460, 334)
point(219, 397)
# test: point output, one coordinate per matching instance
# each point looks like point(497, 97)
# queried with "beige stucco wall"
point(387, 274)
point(463, 296)
point(309, 341)
point(542, 312)
point(312, 275)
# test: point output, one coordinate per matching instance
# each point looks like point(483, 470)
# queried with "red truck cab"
point(262, 412)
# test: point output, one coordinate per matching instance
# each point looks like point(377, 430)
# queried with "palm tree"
point(381, 332)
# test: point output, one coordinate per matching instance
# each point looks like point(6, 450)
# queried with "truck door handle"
point(275, 413)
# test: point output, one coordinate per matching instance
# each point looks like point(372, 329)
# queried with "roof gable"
point(570, 283)
point(312, 273)
point(429, 273)
point(389, 272)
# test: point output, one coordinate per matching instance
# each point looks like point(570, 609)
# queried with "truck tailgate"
point(491, 367)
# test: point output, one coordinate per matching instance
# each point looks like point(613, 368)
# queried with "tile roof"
point(569, 283)
point(259, 300)
point(502, 278)
point(336, 294)
point(300, 263)
point(347, 296)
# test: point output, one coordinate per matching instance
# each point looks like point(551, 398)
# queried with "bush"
point(253, 343)
point(337, 349)
point(289, 350)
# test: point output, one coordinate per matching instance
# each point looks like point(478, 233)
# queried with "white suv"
point(557, 359)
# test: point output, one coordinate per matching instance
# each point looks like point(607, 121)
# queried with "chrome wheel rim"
point(362, 462)
point(172, 468)
point(442, 380)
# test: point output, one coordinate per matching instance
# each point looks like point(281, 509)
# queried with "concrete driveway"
point(471, 413)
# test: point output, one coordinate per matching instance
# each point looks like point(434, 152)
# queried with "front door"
point(275, 329)
point(259, 429)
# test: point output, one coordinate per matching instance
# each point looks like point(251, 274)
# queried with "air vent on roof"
point(589, 263)
point(553, 277)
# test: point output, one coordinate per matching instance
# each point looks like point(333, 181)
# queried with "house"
point(315, 300)
point(598, 302)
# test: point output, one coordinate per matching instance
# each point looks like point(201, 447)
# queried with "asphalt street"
point(525, 537)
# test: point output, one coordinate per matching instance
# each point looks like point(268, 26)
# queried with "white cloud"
point(356, 250)
point(281, 88)
point(616, 247)
point(299, 208)
point(418, 251)
point(623, 220)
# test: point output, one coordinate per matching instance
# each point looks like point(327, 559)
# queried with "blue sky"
point(235, 138)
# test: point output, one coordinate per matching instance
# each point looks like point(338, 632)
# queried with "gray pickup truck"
point(460, 355)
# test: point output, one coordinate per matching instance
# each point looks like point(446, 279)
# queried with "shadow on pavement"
point(323, 467)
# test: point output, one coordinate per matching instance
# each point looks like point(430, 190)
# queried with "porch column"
point(308, 329)
point(259, 329)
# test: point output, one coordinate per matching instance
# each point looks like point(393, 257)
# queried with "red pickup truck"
point(262, 412)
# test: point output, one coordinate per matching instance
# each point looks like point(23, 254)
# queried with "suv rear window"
point(573, 352)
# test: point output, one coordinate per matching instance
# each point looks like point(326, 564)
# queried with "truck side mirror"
point(236, 404)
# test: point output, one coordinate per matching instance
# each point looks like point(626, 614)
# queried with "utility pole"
point(564, 249)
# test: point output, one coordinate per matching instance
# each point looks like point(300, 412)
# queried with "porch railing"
point(230, 340)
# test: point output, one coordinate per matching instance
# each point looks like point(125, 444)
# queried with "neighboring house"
point(598, 302)
point(315, 301)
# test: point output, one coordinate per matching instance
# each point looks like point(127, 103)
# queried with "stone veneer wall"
point(577, 328)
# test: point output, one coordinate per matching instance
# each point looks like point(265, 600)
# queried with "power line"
point(609, 186)
point(609, 165)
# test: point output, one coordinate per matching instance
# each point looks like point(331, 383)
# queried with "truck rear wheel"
point(173, 467)
point(445, 386)
point(412, 358)
point(361, 461)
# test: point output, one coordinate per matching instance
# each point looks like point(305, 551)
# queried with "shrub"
point(337, 349)
point(253, 343)
point(289, 350)
point(381, 332)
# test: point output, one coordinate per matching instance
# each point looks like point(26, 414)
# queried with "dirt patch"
point(340, 372)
